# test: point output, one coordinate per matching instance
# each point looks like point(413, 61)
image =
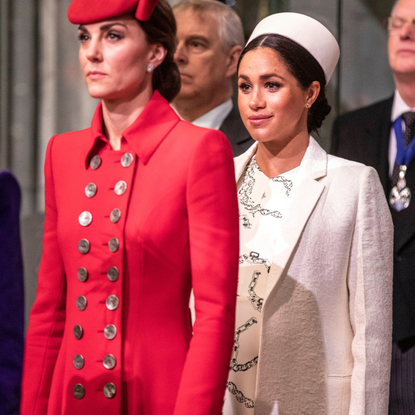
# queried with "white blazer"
point(327, 317)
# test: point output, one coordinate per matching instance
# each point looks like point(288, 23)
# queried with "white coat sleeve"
point(370, 291)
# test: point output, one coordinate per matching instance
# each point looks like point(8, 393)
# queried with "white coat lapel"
point(242, 161)
point(305, 195)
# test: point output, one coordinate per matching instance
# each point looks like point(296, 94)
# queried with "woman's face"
point(114, 56)
point(271, 103)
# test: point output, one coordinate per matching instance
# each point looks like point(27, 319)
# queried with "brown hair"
point(161, 28)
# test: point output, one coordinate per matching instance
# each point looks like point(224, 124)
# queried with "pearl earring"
point(308, 105)
point(150, 67)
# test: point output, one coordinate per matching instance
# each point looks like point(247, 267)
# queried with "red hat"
point(92, 11)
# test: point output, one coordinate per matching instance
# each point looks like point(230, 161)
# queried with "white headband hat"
point(307, 32)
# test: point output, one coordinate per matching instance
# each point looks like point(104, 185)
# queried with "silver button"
point(78, 391)
point(120, 187)
point(113, 244)
point(82, 274)
point(90, 190)
point(112, 302)
point(109, 361)
point(113, 274)
point(78, 362)
point(85, 218)
point(115, 215)
point(78, 332)
point(83, 246)
point(95, 162)
point(110, 331)
point(126, 159)
point(109, 390)
point(81, 303)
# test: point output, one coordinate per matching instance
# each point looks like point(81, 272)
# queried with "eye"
point(83, 37)
point(244, 87)
point(273, 86)
point(197, 46)
point(114, 35)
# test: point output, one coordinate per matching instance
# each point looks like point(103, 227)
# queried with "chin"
point(99, 93)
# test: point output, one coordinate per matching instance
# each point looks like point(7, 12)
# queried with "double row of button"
point(109, 362)
point(112, 274)
point(109, 391)
point(110, 332)
point(112, 302)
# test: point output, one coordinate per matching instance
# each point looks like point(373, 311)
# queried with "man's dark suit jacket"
point(363, 136)
point(237, 134)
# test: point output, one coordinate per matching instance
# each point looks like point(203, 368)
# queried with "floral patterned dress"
point(262, 203)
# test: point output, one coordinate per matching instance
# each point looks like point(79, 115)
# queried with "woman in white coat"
point(313, 331)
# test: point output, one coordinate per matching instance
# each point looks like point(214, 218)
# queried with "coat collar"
point(144, 135)
point(306, 193)
point(313, 164)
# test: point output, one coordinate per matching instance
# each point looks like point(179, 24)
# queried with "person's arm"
point(370, 287)
point(214, 249)
point(47, 317)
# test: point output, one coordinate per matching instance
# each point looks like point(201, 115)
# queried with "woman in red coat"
point(140, 209)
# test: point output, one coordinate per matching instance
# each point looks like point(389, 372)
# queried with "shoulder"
point(194, 136)
point(233, 126)
point(72, 140)
point(366, 114)
point(352, 175)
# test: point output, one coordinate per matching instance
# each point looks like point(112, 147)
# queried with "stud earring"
point(308, 105)
point(150, 67)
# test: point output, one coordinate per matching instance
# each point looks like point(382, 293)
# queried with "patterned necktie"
point(408, 136)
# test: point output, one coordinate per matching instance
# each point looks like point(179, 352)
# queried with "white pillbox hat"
point(307, 32)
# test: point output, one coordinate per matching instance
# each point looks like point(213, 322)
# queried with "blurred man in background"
point(211, 39)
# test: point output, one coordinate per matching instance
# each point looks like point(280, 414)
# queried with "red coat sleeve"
point(47, 317)
point(214, 249)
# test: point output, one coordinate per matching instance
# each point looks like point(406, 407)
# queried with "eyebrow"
point(198, 37)
point(104, 27)
point(263, 77)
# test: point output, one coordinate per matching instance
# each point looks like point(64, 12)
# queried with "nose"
point(407, 31)
point(180, 56)
point(94, 50)
point(257, 100)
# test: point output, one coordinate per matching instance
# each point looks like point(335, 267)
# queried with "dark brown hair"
point(303, 66)
point(161, 28)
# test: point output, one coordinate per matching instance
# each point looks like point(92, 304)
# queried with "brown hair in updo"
point(303, 66)
point(161, 28)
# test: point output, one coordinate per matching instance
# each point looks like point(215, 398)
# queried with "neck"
point(277, 157)
point(119, 115)
point(405, 84)
point(191, 109)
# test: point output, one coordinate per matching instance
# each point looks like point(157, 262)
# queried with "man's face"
point(202, 62)
point(401, 44)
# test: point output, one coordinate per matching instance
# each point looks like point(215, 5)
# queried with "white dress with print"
point(262, 203)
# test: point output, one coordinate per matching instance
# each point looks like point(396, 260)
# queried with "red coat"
point(177, 228)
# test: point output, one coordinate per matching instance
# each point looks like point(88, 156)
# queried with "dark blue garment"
point(11, 296)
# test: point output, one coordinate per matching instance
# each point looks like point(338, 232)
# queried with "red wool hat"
point(92, 11)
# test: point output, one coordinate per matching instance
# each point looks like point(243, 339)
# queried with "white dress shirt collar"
point(399, 106)
point(214, 118)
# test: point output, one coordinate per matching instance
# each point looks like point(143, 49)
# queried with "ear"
point(157, 55)
point(312, 93)
point(233, 57)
